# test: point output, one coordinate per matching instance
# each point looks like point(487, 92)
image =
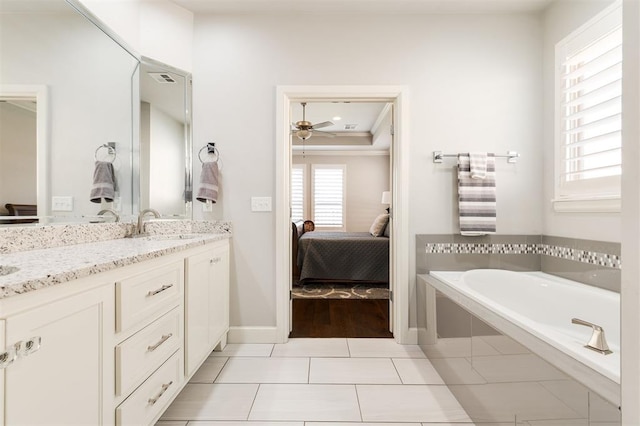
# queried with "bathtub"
point(536, 309)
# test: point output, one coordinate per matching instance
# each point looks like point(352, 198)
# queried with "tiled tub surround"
point(45, 267)
point(492, 376)
point(591, 262)
point(24, 238)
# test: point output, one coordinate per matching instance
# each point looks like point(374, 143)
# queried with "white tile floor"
point(332, 381)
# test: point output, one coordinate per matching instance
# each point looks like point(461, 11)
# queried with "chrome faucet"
point(140, 228)
point(111, 211)
point(597, 342)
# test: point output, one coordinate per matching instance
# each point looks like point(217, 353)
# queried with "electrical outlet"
point(62, 203)
point(207, 206)
point(260, 204)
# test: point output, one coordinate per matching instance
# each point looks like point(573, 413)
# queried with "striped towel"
point(477, 198)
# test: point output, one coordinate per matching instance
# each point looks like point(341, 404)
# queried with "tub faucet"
point(597, 342)
point(110, 211)
point(140, 228)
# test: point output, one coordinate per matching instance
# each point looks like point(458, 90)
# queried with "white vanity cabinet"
point(206, 303)
point(63, 372)
point(115, 347)
point(149, 340)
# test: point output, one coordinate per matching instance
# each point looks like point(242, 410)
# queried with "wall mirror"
point(50, 51)
point(165, 139)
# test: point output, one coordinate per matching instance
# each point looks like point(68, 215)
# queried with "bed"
point(343, 256)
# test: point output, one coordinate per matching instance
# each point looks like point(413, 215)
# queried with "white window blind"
point(328, 196)
point(589, 120)
point(297, 193)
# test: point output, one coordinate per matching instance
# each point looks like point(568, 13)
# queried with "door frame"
point(399, 262)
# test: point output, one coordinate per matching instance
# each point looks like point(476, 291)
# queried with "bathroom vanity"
point(114, 332)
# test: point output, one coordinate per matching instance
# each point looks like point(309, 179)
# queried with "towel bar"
point(511, 156)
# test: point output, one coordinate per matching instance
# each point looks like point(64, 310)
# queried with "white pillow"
point(379, 224)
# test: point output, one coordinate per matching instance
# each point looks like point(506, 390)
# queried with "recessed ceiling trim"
point(363, 6)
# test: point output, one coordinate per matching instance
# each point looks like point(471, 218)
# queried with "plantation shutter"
point(297, 194)
point(590, 111)
point(328, 196)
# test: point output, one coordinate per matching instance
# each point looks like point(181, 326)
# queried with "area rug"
point(340, 291)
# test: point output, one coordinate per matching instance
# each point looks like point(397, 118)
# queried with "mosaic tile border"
point(567, 253)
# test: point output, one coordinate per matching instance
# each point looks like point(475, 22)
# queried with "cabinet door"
point(63, 382)
point(207, 303)
point(198, 278)
point(219, 294)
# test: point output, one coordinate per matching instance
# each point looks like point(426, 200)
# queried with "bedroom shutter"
point(297, 194)
point(590, 106)
point(328, 196)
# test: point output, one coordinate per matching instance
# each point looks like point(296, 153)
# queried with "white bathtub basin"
point(533, 307)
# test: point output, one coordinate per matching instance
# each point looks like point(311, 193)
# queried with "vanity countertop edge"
point(44, 268)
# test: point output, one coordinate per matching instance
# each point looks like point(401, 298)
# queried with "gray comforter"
point(353, 256)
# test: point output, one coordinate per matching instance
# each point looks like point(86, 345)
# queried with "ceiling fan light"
point(303, 134)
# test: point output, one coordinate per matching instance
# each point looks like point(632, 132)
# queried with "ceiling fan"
point(304, 129)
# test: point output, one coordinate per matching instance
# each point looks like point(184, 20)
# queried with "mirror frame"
point(41, 95)
point(188, 136)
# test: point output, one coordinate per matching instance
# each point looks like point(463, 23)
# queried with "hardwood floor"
point(340, 318)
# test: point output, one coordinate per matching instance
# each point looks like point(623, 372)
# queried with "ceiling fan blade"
point(324, 134)
point(323, 124)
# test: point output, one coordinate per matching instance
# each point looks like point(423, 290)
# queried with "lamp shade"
point(386, 197)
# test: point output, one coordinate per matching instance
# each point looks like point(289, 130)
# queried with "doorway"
point(398, 266)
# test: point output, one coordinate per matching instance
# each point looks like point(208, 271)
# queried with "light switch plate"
point(260, 204)
point(62, 203)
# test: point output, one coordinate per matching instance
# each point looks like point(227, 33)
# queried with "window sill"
point(587, 205)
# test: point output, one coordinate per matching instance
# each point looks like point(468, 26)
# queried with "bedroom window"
point(328, 192)
point(298, 181)
point(588, 115)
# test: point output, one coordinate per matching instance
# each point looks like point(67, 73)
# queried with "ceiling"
point(363, 118)
point(31, 6)
point(363, 6)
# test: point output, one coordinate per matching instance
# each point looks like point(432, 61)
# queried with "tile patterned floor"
point(375, 382)
point(330, 381)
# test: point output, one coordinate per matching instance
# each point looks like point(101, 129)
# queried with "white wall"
point(560, 19)
point(158, 29)
point(89, 82)
point(17, 156)
point(475, 83)
point(630, 300)
point(366, 176)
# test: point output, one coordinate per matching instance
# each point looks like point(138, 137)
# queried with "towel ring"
point(110, 151)
point(215, 152)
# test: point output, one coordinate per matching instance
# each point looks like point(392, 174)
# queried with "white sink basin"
point(6, 270)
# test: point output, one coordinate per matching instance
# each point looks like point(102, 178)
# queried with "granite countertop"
point(47, 267)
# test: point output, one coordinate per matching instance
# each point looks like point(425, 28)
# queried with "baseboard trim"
point(412, 336)
point(253, 335)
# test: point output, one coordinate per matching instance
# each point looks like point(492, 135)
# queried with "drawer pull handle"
point(165, 337)
point(215, 260)
point(160, 290)
point(7, 357)
point(162, 391)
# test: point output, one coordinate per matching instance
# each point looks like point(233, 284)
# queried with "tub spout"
point(597, 342)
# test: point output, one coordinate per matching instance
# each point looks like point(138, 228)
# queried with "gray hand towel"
point(208, 190)
point(104, 182)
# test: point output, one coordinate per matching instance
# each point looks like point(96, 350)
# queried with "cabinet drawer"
point(146, 350)
point(140, 297)
point(151, 398)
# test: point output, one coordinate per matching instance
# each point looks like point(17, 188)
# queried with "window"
point(298, 181)
point(588, 115)
point(328, 193)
